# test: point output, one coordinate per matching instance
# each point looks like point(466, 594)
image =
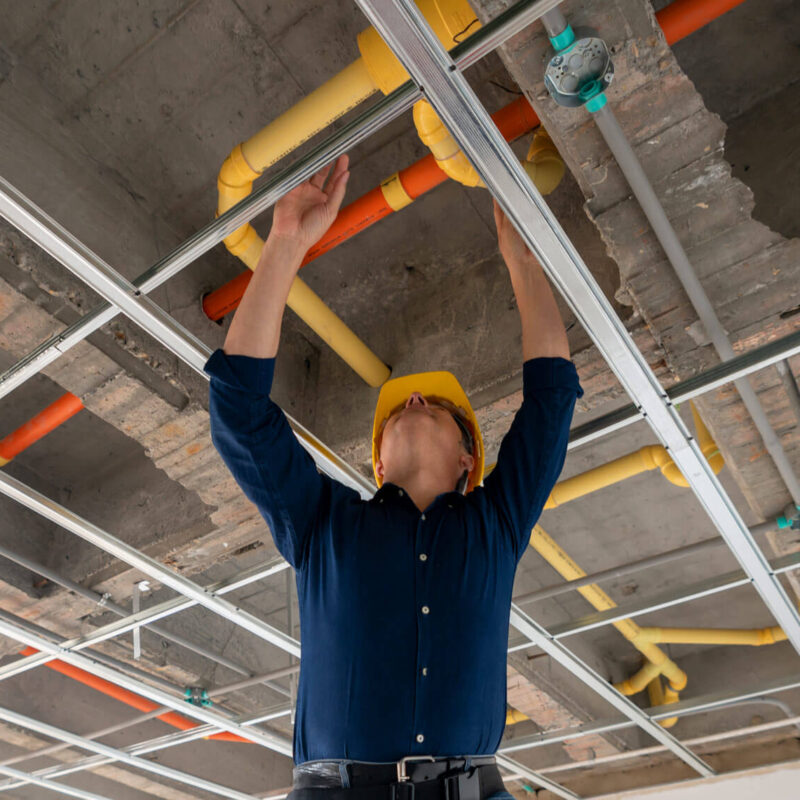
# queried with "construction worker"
point(404, 598)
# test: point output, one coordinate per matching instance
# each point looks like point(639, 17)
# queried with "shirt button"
point(423, 518)
point(420, 738)
point(423, 557)
point(424, 671)
point(426, 610)
point(399, 492)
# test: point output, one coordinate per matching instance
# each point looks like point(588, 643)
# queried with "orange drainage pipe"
point(394, 193)
point(129, 698)
point(683, 17)
point(34, 429)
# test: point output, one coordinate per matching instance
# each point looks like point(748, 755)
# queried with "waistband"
point(346, 774)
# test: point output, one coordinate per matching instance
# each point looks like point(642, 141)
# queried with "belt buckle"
point(402, 776)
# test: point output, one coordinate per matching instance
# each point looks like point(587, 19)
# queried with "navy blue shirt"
point(403, 614)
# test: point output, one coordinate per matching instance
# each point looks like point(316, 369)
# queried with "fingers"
point(318, 180)
point(339, 169)
point(336, 190)
point(339, 166)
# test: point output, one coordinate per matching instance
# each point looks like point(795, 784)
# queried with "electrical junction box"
point(579, 72)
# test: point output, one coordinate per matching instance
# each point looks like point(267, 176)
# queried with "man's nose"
point(416, 399)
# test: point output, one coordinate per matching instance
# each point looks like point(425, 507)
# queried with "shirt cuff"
point(550, 373)
point(244, 373)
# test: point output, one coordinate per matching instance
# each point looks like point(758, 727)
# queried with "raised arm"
point(532, 452)
point(300, 219)
point(543, 334)
point(248, 429)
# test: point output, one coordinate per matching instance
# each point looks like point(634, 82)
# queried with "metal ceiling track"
point(258, 736)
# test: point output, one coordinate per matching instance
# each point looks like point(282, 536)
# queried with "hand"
point(512, 246)
point(304, 214)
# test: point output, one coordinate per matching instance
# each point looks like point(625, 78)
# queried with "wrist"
point(284, 249)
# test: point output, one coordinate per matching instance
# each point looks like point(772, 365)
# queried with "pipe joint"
point(449, 157)
point(235, 172)
point(544, 164)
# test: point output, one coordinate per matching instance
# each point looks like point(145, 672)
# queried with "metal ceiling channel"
point(159, 611)
point(87, 663)
point(121, 293)
point(411, 39)
point(89, 532)
point(113, 754)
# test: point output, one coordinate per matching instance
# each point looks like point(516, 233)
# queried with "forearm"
point(543, 333)
point(256, 327)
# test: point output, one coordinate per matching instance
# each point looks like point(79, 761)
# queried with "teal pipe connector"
point(596, 102)
point(563, 39)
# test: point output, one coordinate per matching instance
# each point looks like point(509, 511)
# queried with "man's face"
point(422, 433)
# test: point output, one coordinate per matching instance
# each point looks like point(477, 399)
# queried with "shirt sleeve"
point(254, 439)
point(532, 452)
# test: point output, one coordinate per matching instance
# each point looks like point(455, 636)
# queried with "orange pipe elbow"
point(129, 698)
point(39, 426)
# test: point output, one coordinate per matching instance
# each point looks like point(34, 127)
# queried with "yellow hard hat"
point(436, 386)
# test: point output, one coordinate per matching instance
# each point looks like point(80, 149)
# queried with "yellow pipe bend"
point(647, 458)
point(660, 696)
point(544, 164)
point(447, 153)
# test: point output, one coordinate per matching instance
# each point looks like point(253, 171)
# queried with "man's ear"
point(379, 470)
point(466, 462)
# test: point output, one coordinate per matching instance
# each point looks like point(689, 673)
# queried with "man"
point(405, 598)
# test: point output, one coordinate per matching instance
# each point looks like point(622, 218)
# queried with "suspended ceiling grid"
point(419, 338)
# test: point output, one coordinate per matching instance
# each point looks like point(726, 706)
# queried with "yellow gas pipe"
point(376, 69)
point(754, 637)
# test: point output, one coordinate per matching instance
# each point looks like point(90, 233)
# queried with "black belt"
point(412, 779)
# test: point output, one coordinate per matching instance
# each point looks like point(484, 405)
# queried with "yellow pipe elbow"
point(660, 696)
point(544, 164)
point(639, 680)
point(513, 716)
point(449, 157)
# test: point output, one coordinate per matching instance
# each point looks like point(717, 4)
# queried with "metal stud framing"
point(436, 75)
